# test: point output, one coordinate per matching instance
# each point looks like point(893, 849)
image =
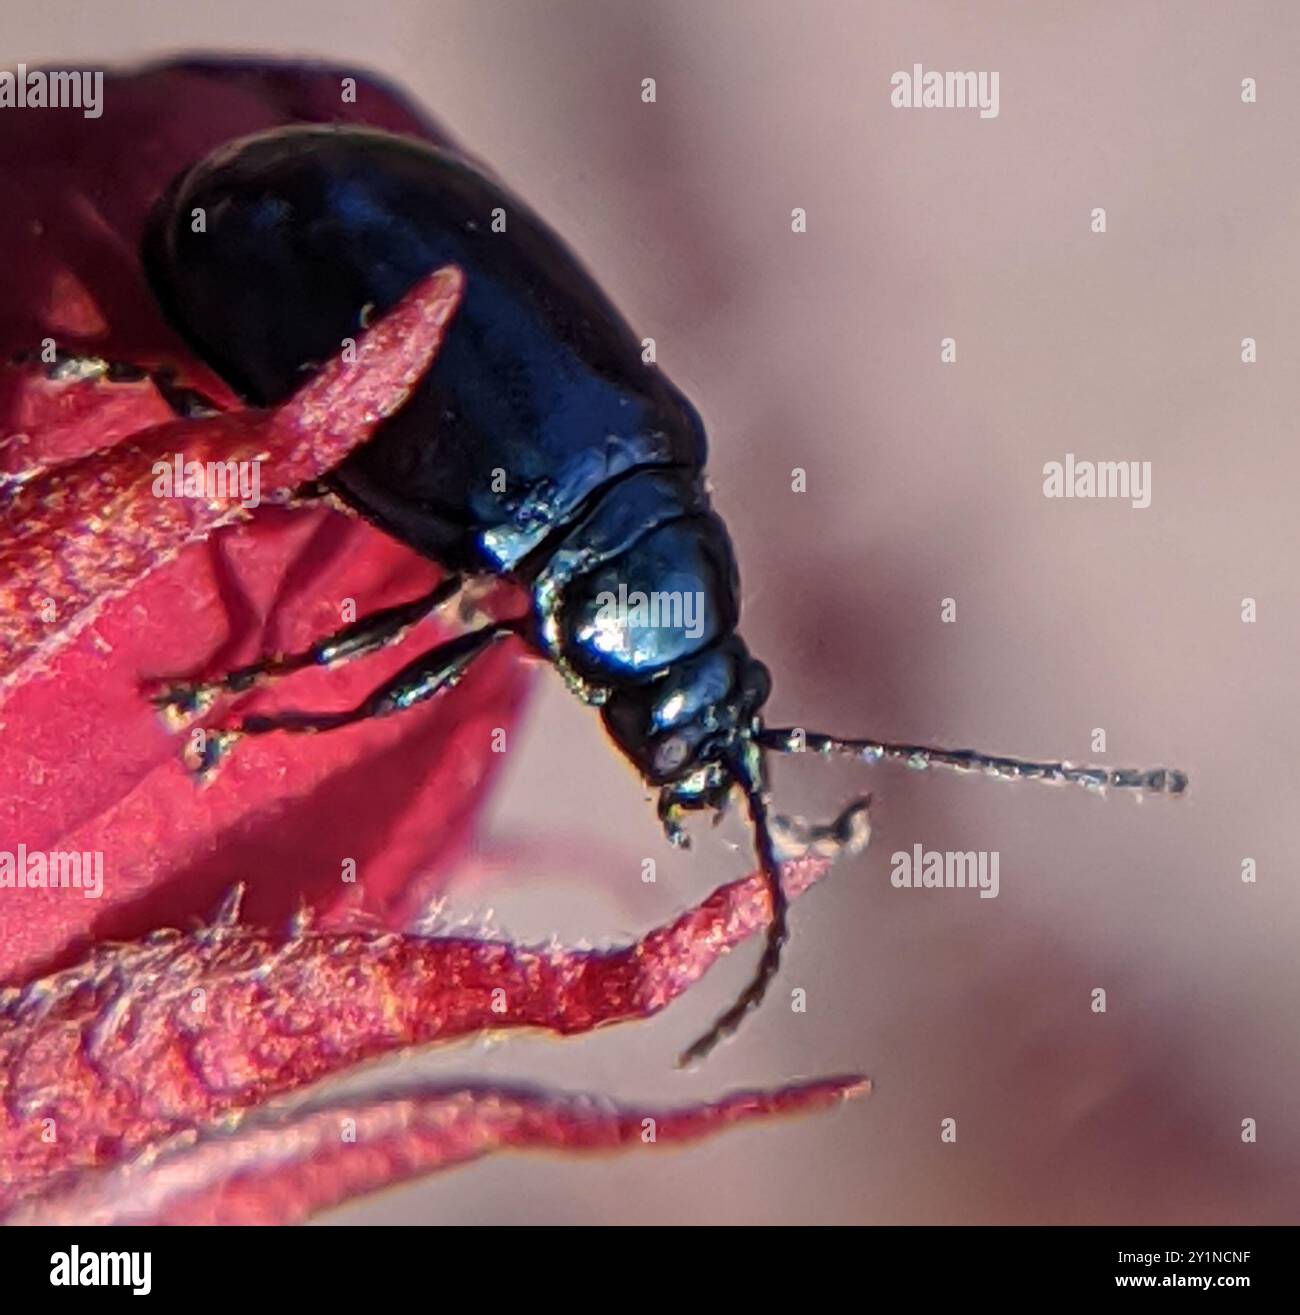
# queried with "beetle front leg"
point(439, 669)
point(670, 818)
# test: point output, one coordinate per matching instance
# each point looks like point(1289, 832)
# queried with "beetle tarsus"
point(180, 703)
point(204, 754)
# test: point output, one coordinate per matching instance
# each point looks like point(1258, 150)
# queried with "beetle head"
point(686, 731)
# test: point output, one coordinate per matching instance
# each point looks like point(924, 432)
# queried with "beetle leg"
point(670, 818)
point(188, 403)
point(180, 701)
point(439, 669)
point(73, 367)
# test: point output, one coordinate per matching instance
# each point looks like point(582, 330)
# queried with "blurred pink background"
point(821, 350)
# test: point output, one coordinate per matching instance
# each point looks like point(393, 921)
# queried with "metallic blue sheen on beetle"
point(540, 446)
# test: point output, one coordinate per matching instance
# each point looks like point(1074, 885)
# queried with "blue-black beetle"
point(541, 446)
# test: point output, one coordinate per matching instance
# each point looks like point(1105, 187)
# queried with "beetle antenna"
point(747, 768)
point(1158, 780)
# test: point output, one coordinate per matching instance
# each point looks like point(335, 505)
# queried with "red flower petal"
point(281, 1171)
point(85, 531)
point(144, 1042)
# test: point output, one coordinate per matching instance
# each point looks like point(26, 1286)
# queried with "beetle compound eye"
point(757, 686)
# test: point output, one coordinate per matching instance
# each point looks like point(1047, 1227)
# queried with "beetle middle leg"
point(181, 700)
point(439, 669)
